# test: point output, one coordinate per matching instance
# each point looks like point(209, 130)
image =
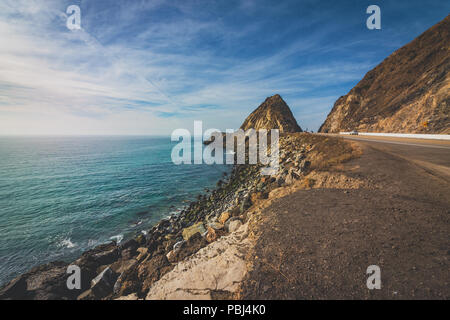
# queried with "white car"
point(354, 133)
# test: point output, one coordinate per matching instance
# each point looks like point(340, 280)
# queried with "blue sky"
point(149, 67)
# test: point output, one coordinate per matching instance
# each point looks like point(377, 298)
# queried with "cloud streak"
point(148, 67)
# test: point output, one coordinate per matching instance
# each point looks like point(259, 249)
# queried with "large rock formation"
point(273, 113)
point(408, 92)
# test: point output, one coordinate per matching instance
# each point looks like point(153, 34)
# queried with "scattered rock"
point(123, 265)
point(211, 236)
point(215, 225)
point(178, 245)
point(234, 225)
point(131, 244)
point(93, 259)
point(219, 267)
point(190, 231)
point(224, 217)
point(227, 224)
point(103, 284)
point(126, 282)
point(142, 253)
point(46, 282)
point(189, 247)
point(171, 256)
point(104, 254)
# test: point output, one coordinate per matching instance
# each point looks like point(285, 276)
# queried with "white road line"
point(403, 135)
point(402, 143)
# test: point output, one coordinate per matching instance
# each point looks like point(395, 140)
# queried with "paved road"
point(425, 143)
point(317, 244)
point(433, 155)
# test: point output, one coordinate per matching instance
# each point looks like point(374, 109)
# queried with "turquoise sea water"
point(62, 195)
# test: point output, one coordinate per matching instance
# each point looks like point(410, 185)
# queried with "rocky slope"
point(203, 252)
point(207, 241)
point(409, 92)
point(273, 113)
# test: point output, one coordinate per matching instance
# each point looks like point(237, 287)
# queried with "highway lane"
point(432, 155)
point(426, 143)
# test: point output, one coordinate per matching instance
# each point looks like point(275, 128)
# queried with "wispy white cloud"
point(113, 78)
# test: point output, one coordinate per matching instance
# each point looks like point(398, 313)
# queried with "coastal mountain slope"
point(273, 113)
point(407, 93)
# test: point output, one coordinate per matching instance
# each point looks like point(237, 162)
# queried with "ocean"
point(60, 196)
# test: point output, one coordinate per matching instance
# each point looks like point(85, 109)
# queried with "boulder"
point(128, 253)
point(227, 224)
point(187, 248)
point(190, 231)
point(15, 289)
point(46, 282)
point(92, 260)
point(215, 225)
point(234, 225)
point(224, 217)
point(130, 244)
point(106, 257)
point(219, 267)
point(122, 265)
point(171, 256)
point(128, 249)
point(142, 253)
point(151, 270)
point(103, 284)
point(178, 245)
point(49, 282)
point(211, 236)
point(127, 282)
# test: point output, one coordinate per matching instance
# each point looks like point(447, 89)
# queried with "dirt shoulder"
point(380, 209)
point(217, 270)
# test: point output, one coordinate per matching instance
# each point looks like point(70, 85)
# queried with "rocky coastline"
point(205, 251)
point(215, 228)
